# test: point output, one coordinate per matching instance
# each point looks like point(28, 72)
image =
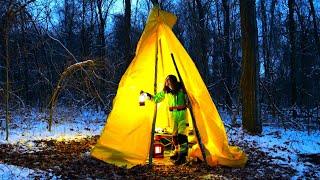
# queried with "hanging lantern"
point(142, 99)
point(158, 148)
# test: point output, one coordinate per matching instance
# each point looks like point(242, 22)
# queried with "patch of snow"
point(283, 145)
point(29, 125)
point(212, 176)
point(16, 172)
point(68, 124)
point(72, 124)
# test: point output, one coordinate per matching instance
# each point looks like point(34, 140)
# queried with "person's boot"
point(176, 147)
point(183, 151)
point(175, 155)
point(181, 159)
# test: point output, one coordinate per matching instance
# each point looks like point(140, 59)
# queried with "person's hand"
point(149, 95)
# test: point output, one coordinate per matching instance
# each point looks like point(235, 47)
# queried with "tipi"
point(126, 137)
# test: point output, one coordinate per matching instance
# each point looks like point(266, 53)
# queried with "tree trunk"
point(250, 68)
point(5, 31)
point(271, 35)
point(315, 27)
point(6, 40)
point(226, 53)
point(203, 41)
point(101, 30)
point(92, 25)
point(69, 26)
point(5, 34)
point(84, 34)
point(25, 61)
point(127, 30)
point(292, 29)
point(270, 48)
point(218, 18)
point(265, 52)
point(303, 61)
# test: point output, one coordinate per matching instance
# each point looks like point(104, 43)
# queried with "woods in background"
point(277, 49)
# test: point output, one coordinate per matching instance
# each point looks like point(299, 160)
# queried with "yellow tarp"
point(125, 139)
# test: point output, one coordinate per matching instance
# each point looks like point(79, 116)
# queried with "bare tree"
point(69, 26)
point(226, 52)
point(12, 10)
point(9, 15)
point(84, 31)
point(250, 68)
point(292, 40)
point(203, 40)
point(315, 26)
point(102, 21)
point(127, 31)
point(103, 12)
point(265, 49)
point(271, 34)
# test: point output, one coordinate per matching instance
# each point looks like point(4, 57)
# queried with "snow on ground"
point(71, 124)
point(16, 172)
point(283, 145)
point(29, 125)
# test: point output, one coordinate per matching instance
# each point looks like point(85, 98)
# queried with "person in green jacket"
point(177, 99)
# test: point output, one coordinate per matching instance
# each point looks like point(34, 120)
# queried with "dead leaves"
point(312, 158)
point(72, 160)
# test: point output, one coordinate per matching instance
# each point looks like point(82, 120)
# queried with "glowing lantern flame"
point(158, 149)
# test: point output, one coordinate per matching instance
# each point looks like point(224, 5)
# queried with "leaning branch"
point(70, 70)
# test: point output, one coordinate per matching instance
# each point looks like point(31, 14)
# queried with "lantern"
point(158, 148)
point(142, 99)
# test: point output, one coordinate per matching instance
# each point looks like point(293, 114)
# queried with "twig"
point(23, 105)
point(87, 103)
point(63, 47)
point(273, 104)
point(104, 80)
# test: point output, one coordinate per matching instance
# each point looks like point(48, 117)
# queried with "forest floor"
point(33, 152)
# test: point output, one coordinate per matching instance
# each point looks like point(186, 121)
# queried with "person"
point(177, 100)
